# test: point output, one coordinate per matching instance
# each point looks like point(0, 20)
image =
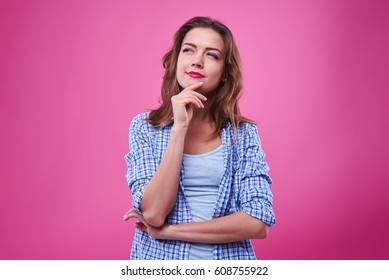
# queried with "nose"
point(197, 61)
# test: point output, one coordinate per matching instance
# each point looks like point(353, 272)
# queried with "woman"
point(196, 169)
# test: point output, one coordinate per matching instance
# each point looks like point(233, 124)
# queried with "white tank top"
point(202, 175)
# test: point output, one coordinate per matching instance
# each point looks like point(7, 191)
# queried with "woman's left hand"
point(157, 233)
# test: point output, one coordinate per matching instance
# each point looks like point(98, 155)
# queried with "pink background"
point(74, 74)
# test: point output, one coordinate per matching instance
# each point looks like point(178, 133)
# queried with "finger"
point(199, 95)
point(193, 86)
point(134, 214)
point(195, 101)
point(193, 92)
point(128, 216)
point(131, 214)
point(141, 226)
point(189, 98)
point(125, 216)
point(128, 213)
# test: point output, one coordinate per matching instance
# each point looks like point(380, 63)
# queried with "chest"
point(200, 140)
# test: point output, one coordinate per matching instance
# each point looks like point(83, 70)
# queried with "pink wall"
point(74, 73)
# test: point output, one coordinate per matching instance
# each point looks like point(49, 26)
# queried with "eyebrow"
point(208, 49)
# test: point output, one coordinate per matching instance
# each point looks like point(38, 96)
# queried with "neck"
point(203, 114)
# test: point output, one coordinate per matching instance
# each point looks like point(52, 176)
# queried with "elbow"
point(257, 229)
point(154, 219)
point(261, 231)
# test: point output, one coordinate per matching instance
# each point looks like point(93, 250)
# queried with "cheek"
point(217, 72)
point(180, 74)
point(180, 66)
point(182, 61)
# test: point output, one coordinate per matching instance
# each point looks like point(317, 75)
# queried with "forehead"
point(204, 38)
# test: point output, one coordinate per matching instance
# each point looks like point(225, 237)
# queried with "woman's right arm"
point(160, 193)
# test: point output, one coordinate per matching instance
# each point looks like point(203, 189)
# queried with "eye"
point(213, 55)
point(186, 50)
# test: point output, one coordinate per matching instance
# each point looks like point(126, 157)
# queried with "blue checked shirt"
point(245, 186)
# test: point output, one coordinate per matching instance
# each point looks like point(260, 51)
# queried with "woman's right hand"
point(183, 104)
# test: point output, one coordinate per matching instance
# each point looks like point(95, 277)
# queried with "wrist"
point(168, 232)
point(179, 130)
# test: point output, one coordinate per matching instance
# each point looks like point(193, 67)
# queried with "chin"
point(206, 89)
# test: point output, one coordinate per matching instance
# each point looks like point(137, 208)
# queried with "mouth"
point(195, 75)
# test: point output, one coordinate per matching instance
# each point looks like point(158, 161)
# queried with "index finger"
point(194, 86)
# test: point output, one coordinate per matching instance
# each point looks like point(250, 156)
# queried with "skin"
point(202, 52)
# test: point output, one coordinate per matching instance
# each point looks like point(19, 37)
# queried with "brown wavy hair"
point(225, 106)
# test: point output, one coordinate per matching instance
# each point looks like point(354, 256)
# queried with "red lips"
point(195, 75)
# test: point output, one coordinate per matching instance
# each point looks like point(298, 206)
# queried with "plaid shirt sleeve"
point(141, 162)
point(254, 182)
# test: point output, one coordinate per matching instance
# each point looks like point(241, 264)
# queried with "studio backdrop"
point(75, 73)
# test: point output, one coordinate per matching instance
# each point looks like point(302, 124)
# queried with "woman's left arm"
point(235, 227)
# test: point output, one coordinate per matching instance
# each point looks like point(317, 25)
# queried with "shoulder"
point(247, 129)
point(247, 134)
point(242, 129)
point(240, 140)
point(140, 123)
point(139, 119)
point(243, 134)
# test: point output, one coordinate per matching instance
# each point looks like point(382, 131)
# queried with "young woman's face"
point(201, 59)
